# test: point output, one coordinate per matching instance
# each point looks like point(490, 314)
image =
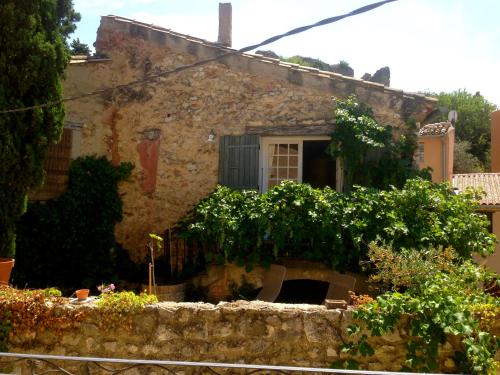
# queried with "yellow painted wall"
point(493, 261)
point(438, 154)
point(495, 141)
point(449, 149)
point(433, 157)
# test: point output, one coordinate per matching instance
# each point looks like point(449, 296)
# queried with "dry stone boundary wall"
point(239, 332)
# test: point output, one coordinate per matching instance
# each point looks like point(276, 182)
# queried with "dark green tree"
point(33, 56)
point(473, 124)
point(79, 48)
point(463, 160)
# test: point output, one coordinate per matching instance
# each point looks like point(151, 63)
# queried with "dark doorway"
point(318, 168)
point(303, 291)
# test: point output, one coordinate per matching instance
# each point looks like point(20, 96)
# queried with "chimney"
point(495, 141)
point(225, 24)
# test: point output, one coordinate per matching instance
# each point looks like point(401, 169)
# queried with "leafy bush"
point(69, 241)
point(296, 220)
point(371, 155)
point(407, 268)
point(120, 307)
point(446, 304)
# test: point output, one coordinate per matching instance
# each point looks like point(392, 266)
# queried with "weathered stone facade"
point(162, 126)
point(239, 332)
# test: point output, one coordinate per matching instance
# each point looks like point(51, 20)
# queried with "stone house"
point(246, 120)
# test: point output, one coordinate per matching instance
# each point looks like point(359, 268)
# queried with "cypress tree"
point(33, 56)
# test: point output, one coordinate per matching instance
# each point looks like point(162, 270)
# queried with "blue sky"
point(430, 45)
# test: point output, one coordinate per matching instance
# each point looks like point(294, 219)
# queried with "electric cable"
point(181, 68)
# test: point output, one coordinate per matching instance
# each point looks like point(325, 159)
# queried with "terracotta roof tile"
point(488, 182)
point(292, 66)
point(439, 128)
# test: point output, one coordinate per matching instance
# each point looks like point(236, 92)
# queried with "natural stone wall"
point(240, 332)
point(162, 126)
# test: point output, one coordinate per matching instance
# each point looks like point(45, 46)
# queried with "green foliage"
point(370, 155)
point(119, 308)
point(295, 220)
point(440, 307)
point(79, 48)
point(473, 124)
point(33, 57)
point(342, 67)
point(463, 160)
point(69, 241)
point(407, 268)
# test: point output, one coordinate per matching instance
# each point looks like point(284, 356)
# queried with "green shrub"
point(119, 308)
point(445, 304)
point(69, 241)
point(406, 268)
point(295, 220)
point(371, 155)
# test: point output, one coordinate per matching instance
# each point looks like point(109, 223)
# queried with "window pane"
point(282, 166)
point(283, 149)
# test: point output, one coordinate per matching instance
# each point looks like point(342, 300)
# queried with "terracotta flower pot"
point(6, 266)
point(82, 294)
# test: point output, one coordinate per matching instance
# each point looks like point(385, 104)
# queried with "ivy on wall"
point(69, 241)
point(371, 155)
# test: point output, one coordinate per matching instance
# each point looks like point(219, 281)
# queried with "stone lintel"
point(290, 130)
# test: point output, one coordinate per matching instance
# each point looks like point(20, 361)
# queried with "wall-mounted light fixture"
point(211, 136)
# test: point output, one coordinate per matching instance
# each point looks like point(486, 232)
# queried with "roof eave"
point(489, 207)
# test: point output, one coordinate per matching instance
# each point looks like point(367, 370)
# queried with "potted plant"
point(82, 294)
point(172, 263)
point(6, 266)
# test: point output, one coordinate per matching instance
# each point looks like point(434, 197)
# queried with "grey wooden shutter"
point(239, 161)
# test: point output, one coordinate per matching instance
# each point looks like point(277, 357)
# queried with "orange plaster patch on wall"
point(110, 118)
point(148, 150)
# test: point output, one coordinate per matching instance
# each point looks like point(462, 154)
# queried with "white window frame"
point(264, 156)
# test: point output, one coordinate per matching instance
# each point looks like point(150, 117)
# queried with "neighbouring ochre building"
point(435, 150)
point(489, 183)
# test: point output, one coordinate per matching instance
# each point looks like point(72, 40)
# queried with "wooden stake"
point(150, 286)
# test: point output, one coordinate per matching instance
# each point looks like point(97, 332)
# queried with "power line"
point(273, 39)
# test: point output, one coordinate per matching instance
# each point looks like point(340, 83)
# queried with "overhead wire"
point(181, 68)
